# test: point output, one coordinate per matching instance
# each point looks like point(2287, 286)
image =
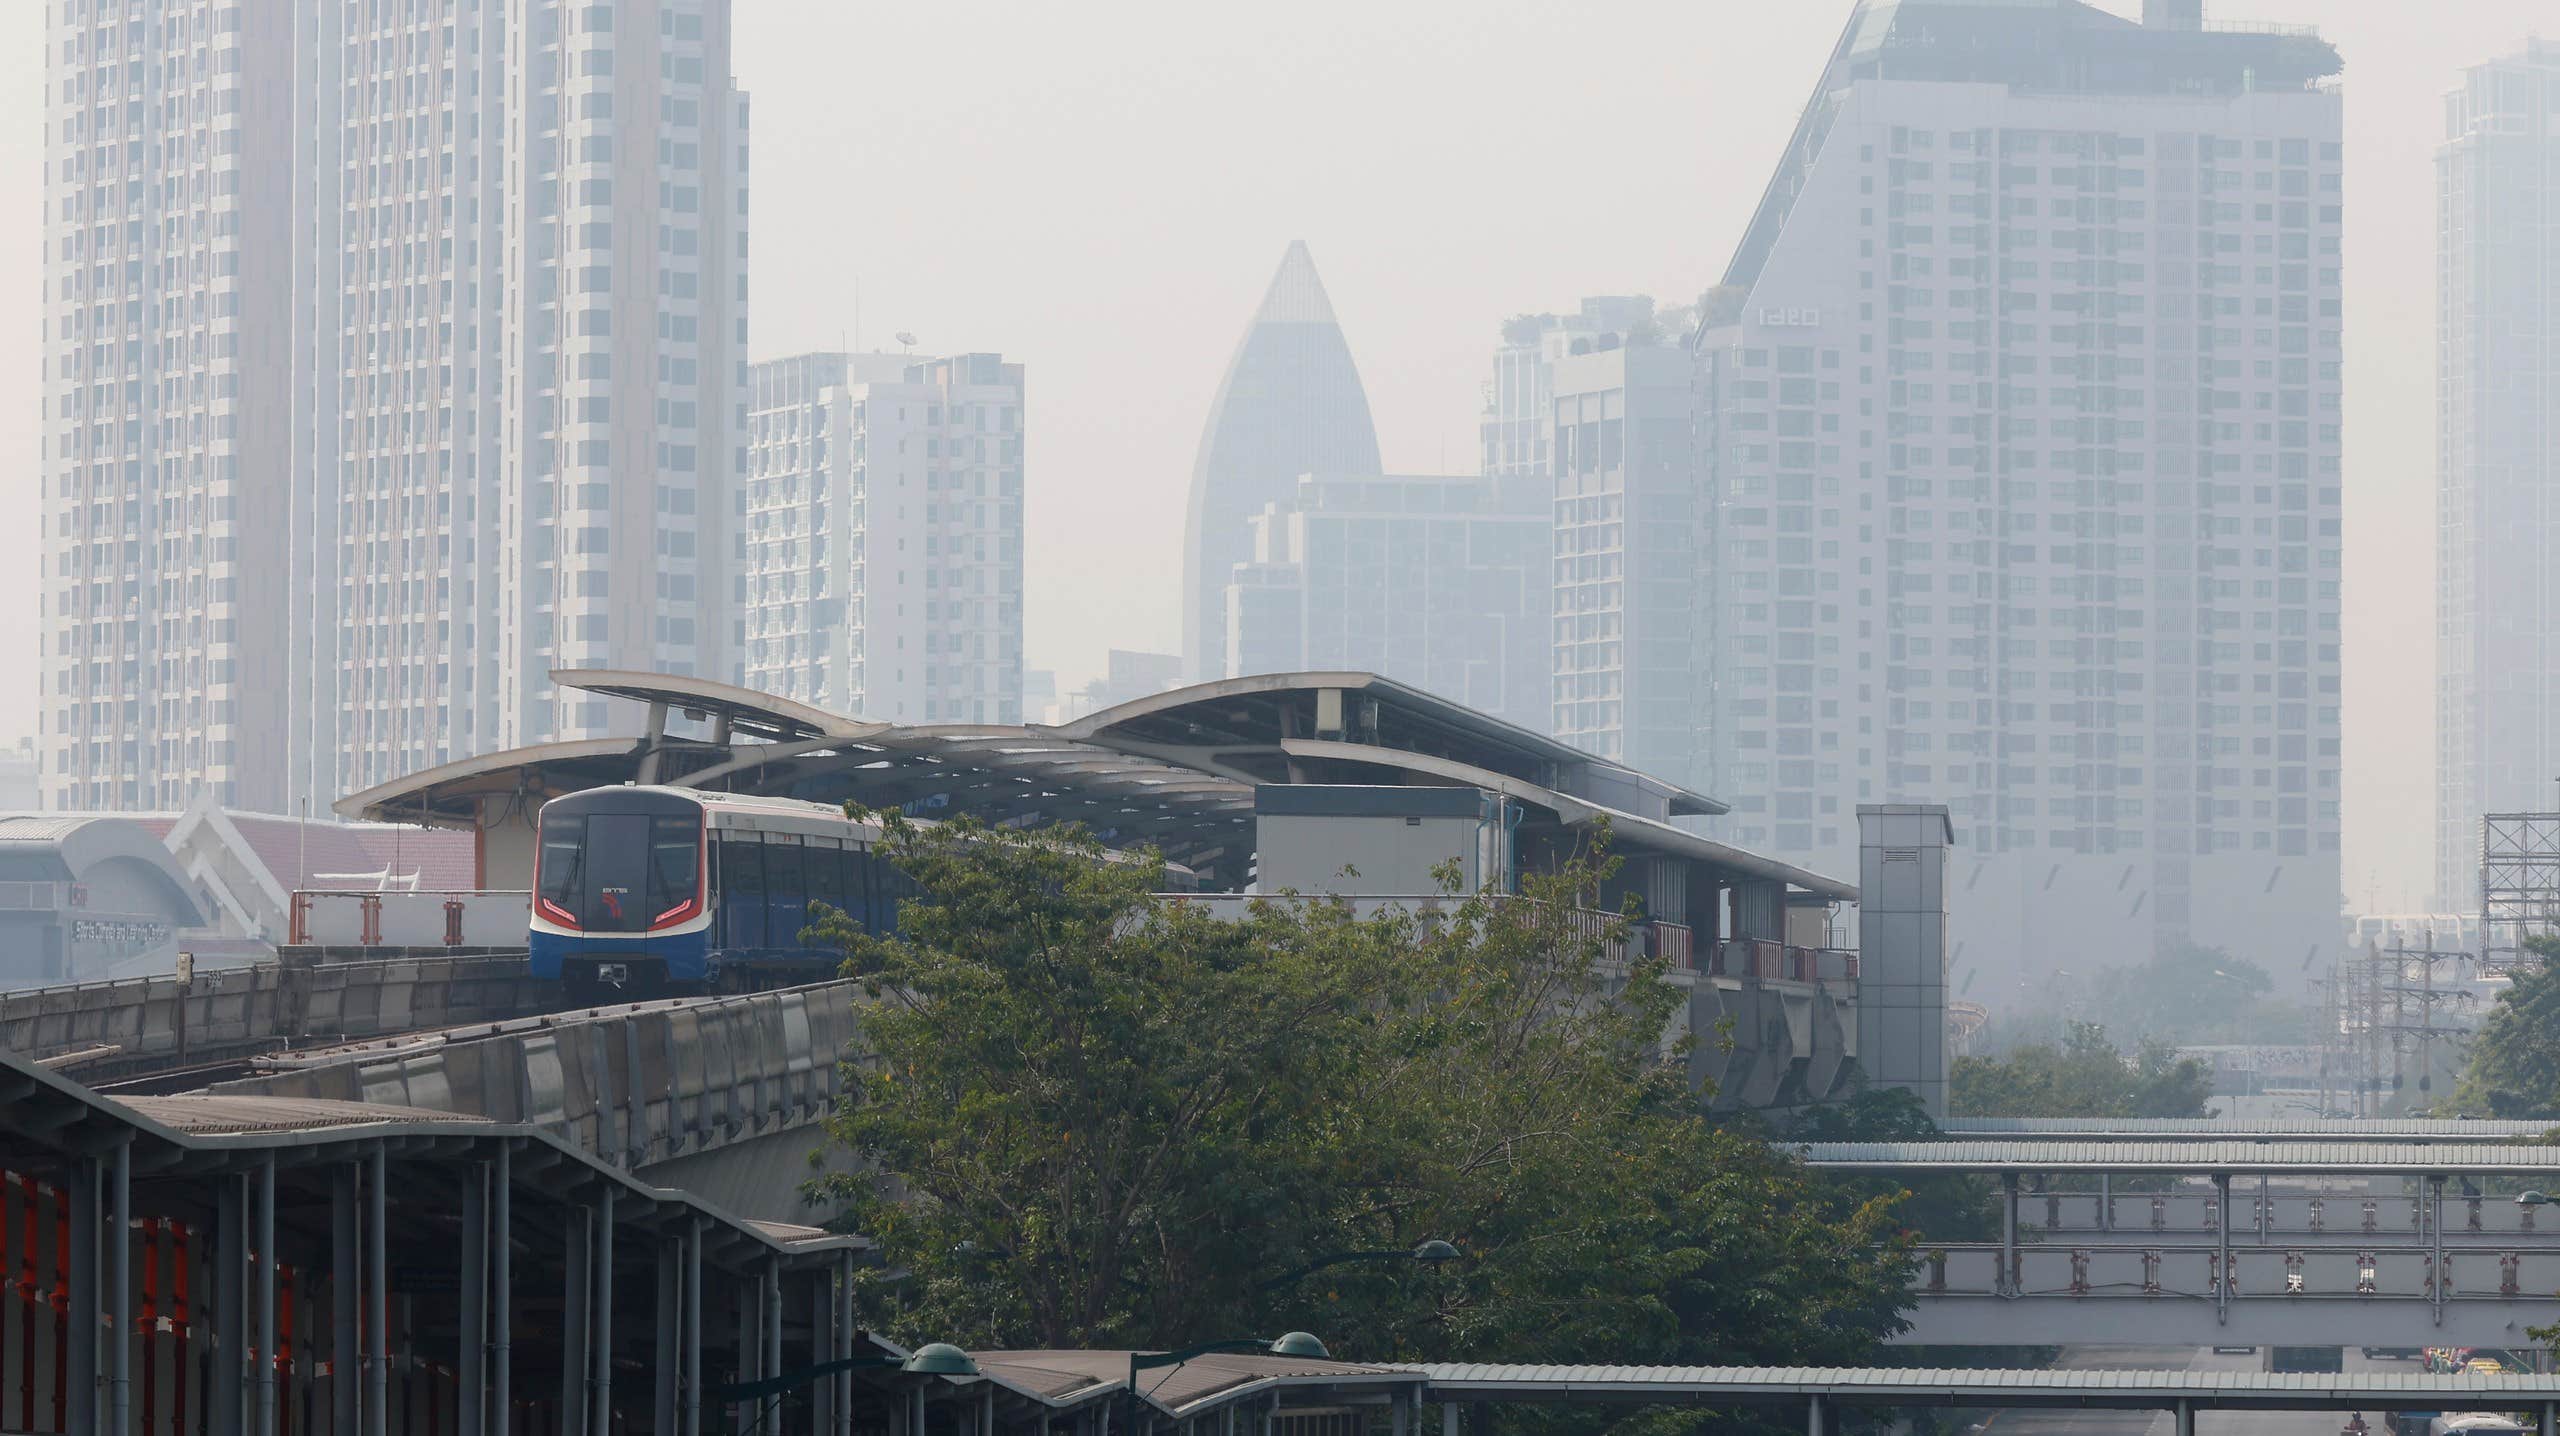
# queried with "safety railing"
point(367, 918)
point(1781, 962)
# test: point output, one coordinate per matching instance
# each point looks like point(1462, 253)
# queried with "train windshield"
point(620, 872)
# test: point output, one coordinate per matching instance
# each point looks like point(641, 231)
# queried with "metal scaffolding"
point(2519, 883)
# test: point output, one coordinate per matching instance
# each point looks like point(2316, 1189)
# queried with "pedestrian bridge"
point(2257, 1242)
point(1818, 1395)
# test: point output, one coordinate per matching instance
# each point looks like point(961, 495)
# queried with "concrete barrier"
point(148, 1023)
point(636, 1085)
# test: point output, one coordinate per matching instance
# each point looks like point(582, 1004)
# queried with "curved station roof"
point(1175, 771)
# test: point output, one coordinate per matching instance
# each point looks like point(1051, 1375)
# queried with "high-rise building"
point(394, 358)
point(2498, 456)
point(2019, 421)
point(1627, 550)
point(883, 532)
point(1518, 412)
point(1290, 404)
point(1434, 581)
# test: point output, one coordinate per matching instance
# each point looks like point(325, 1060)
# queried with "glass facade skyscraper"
point(1290, 404)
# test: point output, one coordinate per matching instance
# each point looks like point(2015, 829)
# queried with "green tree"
point(2086, 1076)
point(2513, 1067)
point(1093, 1116)
point(2191, 995)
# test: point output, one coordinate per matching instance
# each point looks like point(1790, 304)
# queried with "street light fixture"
point(1301, 1344)
point(936, 1358)
point(1432, 1252)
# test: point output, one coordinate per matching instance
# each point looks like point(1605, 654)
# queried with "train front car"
point(621, 898)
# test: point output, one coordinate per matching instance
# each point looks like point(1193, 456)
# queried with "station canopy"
point(1175, 771)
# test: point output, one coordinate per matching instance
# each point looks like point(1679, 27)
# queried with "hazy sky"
point(1102, 189)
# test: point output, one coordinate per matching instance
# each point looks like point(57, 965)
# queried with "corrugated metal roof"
point(2336, 1128)
point(2298, 1155)
point(205, 1116)
point(1456, 1378)
point(1061, 1377)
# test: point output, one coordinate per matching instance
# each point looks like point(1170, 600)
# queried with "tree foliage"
point(2087, 1075)
point(1098, 1117)
point(2513, 1066)
point(2187, 995)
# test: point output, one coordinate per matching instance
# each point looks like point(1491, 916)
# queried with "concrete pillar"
point(2548, 1418)
point(346, 1284)
point(1813, 1416)
point(2186, 1418)
point(1448, 1418)
point(1902, 948)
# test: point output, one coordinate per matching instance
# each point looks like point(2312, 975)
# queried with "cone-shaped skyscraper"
point(1291, 404)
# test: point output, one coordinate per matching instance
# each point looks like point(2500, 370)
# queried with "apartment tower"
point(2498, 457)
point(394, 358)
point(2019, 429)
point(884, 535)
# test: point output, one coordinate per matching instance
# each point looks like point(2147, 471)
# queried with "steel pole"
point(602, 1413)
point(2186, 1417)
point(2007, 1284)
point(230, 1304)
point(471, 1391)
point(844, 1344)
point(346, 1287)
point(693, 1328)
point(2222, 1257)
point(120, 1295)
point(667, 1326)
point(501, 1291)
point(1813, 1415)
point(267, 1295)
point(772, 1346)
point(2436, 1274)
point(577, 1294)
point(80, 1326)
point(822, 1340)
point(377, 1237)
